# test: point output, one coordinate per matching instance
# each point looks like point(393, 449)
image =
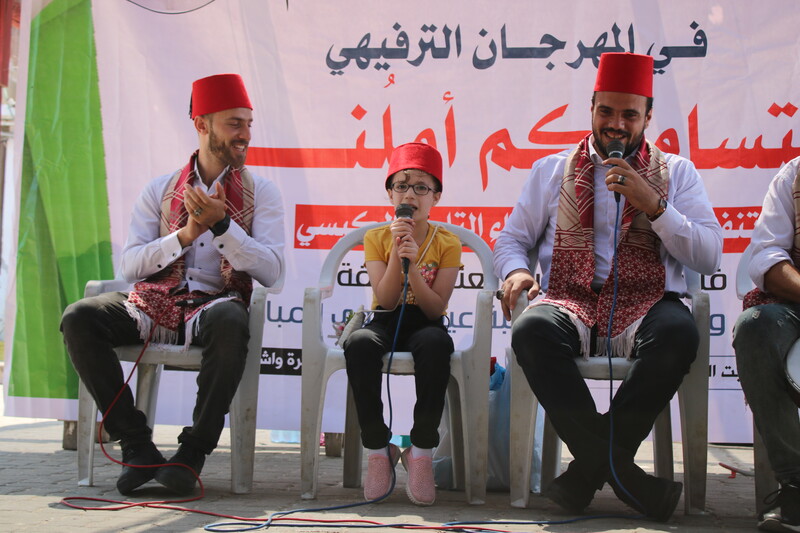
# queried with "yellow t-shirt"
point(444, 252)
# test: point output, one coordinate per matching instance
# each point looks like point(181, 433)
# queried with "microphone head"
point(615, 148)
point(404, 211)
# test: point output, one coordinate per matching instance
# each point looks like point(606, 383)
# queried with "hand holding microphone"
point(407, 212)
point(616, 148)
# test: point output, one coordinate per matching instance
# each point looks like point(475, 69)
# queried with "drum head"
point(793, 371)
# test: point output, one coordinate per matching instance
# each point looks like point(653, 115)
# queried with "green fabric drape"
point(64, 228)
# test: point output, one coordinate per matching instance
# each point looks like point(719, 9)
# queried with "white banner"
point(336, 85)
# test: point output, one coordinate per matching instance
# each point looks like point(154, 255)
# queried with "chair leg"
point(693, 401)
point(87, 417)
point(474, 421)
point(352, 445)
point(147, 379)
point(551, 453)
point(459, 445)
point(314, 384)
point(523, 421)
point(243, 413)
point(662, 445)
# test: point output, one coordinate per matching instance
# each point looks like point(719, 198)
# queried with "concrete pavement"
point(36, 473)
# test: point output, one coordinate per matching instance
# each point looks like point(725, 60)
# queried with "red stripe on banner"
point(316, 157)
point(737, 226)
point(319, 227)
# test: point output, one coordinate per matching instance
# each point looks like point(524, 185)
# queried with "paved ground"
point(36, 473)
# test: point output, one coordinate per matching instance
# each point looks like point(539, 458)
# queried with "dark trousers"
point(762, 338)
point(431, 347)
point(546, 344)
point(92, 327)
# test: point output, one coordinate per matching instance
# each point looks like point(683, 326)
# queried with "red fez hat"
point(419, 156)
point(622, 72)
point(217, 93)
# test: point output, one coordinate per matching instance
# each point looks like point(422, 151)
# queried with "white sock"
point(416, 453)
point(380, 451)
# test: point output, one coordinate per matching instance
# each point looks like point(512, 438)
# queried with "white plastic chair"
point(468, 392)
point(692, 397)
point(242, 409)
point(764, 475)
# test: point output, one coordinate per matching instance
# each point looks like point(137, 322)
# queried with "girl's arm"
point(433, 300)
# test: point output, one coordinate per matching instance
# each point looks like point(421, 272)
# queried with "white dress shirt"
point(689, 231)
point(259, 254)
point(773, 235)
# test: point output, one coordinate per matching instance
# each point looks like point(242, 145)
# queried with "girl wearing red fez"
point(434, 255)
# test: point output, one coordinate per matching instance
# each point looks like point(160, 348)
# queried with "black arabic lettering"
point(442, 52)
point(473, 280)
point(531, 52)
point(482, 64)
point(671, 52)
point(346, 277)
point(280, 317)
point(717, 325)
point(402, 42)
point(716, 282)
point(599, 48)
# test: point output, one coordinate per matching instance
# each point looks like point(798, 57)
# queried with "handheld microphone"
point(404, 211)
point(616, 149)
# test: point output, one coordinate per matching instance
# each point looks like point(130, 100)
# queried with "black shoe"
point(180, 479)
point(784, 515)
point(654, 497)
point(132, 478)
point(571, 490)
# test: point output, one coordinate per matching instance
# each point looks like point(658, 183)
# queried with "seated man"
point(765, 331)
point(201, 233)
point(664, 222)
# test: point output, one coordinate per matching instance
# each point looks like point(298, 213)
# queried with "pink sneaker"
point(420, 486)
point(379, 473)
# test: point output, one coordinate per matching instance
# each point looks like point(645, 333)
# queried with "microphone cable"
point(609, 355)
point(226, 526)
point(122, 504)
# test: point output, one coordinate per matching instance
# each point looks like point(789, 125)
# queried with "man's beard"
point(225, 152)
point(631, 143)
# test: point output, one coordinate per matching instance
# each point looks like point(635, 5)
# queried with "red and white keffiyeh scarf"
point(641, 272)
point(759, 297)
point(155, 298)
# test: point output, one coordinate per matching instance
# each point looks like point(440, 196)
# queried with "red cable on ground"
point(119, 505)
point(125, 504)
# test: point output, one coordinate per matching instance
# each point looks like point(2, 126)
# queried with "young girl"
point(434, 255)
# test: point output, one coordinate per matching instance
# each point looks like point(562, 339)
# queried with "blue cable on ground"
point(215, 527)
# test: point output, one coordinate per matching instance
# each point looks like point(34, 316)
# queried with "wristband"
point(222, 226)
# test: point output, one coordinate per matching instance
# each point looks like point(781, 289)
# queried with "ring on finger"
point(621, 180)
point(197, 212)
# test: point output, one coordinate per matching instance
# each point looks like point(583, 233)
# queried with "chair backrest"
point(743, 281)
point(692, 279)
point(330, 267)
